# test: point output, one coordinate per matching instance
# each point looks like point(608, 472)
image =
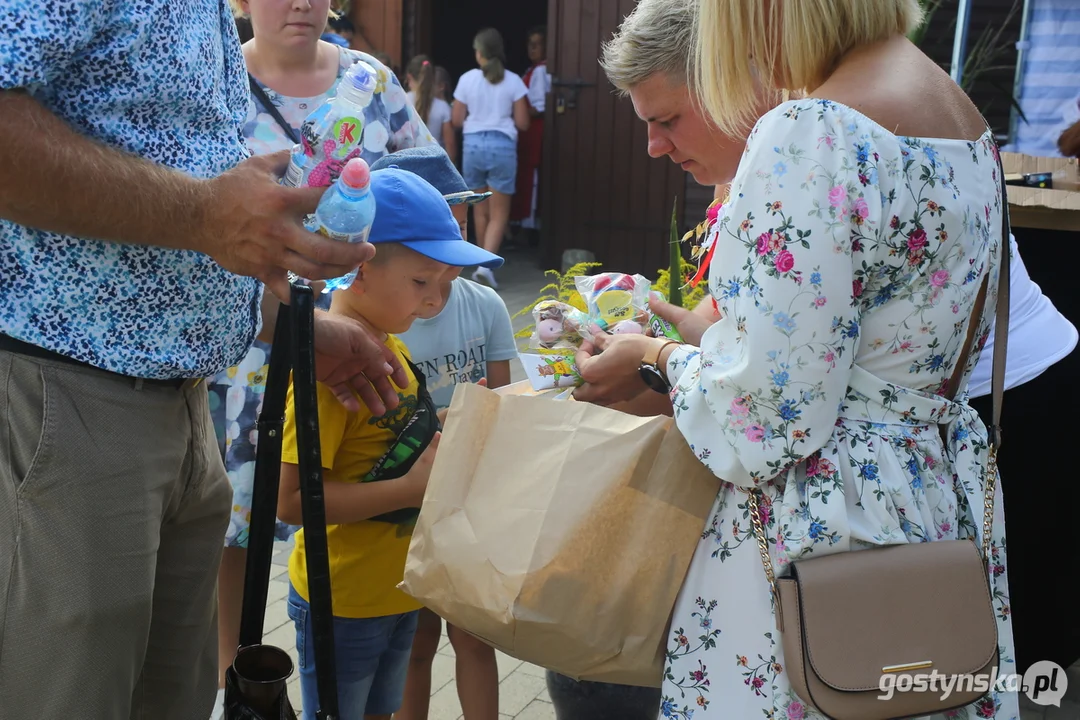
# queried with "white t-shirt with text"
point(491, 107)
point(455, 346)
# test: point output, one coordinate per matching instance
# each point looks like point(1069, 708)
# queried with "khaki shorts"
point(113, 503)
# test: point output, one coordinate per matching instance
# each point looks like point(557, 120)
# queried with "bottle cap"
point(356, 174)
point(362, 77)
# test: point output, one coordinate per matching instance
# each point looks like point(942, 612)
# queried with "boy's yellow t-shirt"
point(367, 558)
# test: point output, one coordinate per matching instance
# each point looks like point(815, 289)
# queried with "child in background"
point(423, 94)
point(372, 504)
point(468, 337)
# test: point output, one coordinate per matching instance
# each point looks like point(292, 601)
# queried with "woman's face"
point(678, 129)
point(536, 48)
point(288, 23)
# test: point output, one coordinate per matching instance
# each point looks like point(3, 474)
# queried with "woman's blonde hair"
point(781, 44)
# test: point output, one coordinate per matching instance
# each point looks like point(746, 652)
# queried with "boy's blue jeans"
point(372, 661)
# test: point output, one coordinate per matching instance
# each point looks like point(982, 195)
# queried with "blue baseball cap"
point(433, 164)
point(409, 210)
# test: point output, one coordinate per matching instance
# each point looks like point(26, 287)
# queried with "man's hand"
point(691, 324)
point(253, 226)
point(243, 219)
point(348, 358)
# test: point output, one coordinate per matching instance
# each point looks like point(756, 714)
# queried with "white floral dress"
point(846, 268)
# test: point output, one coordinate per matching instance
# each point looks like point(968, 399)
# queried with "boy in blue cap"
point(468, 337)
point(376, 468)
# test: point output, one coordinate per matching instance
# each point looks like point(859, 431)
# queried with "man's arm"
point(53, 178)
point(58, 180)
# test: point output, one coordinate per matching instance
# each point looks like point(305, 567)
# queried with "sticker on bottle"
point(347, 132)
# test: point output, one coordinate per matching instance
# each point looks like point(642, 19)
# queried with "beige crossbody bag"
point(848, 619)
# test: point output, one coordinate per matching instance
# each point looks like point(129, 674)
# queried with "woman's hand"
point(609, 366)
point(691, 324)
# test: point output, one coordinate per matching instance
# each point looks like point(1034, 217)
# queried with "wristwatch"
point(651, 371)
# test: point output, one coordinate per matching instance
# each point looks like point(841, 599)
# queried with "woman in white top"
point(1040, 374)
point(423, 87)
point(491, 106)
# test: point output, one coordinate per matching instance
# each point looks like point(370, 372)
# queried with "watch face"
point(654, 379)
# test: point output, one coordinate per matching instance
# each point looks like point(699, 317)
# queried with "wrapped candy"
point(618, 303)
point(557, 335)
point(558, 325)
point(659, 327)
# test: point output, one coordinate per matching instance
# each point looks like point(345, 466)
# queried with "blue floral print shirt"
point(166, 81)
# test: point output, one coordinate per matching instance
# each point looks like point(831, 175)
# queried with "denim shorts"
point(372, 661)
point(489, 159)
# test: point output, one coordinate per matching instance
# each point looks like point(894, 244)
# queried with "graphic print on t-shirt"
point(468, 364)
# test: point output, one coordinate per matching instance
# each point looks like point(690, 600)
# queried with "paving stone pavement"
point(522, 689)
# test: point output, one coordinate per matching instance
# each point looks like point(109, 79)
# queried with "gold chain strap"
point(763, 544)
point(989, 480)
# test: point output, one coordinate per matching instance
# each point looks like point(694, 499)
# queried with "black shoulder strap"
point(313, 501)
point(268, 105)
point(264, 493)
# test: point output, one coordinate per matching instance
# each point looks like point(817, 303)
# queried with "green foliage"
point(690, 296)
point(675, 258)
point(985, 54)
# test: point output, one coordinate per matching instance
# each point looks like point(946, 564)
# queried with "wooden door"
point(601, 190)
point(378, 27)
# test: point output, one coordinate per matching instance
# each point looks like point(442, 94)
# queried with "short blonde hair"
point(657, 37)
point(794, 45)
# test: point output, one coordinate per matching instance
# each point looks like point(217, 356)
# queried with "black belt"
point(19, 347)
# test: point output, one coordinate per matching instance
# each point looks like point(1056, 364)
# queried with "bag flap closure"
point(895, 606)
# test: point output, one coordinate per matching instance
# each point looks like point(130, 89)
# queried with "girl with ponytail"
point(492, 107)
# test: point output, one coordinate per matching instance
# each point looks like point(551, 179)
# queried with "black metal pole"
point(312, 500)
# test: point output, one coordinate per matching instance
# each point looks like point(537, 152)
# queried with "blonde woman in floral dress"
point(861, 224)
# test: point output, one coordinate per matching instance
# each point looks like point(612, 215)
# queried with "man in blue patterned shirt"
point(135, 239)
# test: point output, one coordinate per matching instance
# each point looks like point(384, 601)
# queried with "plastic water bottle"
point(345, 212)
point(333, 133)
point(294, 173)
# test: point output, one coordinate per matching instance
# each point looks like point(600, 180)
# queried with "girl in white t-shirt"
point(423, 87)
point(491, 106)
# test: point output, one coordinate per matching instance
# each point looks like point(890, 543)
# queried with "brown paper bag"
point(560, 532)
